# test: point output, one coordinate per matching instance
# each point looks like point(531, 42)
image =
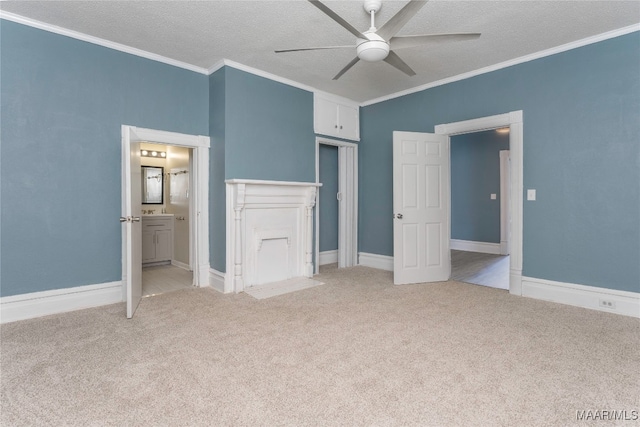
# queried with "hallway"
point(480, 269)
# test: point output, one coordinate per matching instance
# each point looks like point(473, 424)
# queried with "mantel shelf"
point(261, 182)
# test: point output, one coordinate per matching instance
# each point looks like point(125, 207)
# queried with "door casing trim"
point(199, 203)
point(348, 209)
point(514, 120)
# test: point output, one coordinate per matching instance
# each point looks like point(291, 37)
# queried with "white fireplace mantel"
point(269, 231)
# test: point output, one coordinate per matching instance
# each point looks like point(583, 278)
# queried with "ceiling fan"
point(380, 44)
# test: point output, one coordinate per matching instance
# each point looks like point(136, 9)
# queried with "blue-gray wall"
point(260, 129)
point(269, 129)
point(581, 152)
point(328, 157)
point(475, 174)
point(63, 102)
point(217, 190)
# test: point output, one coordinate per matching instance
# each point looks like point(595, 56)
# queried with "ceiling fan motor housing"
point(372, 50)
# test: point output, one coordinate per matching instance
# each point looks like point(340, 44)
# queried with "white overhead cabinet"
point(333, 117)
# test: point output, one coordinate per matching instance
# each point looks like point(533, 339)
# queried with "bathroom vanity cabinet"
point(157, 238)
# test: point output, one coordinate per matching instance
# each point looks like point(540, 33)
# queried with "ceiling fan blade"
point(402, 42)
point(394, 59)
point(313, 48)
point(395, 24)
point(345, 69)
point(337, 18)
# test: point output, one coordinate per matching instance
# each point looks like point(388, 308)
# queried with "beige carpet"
point(355, 351)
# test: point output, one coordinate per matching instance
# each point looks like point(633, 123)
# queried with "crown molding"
point(215, 67)
point(101, 42)
point(265, 74)
point(152, 56)
point(255, 71)
point(537, 55)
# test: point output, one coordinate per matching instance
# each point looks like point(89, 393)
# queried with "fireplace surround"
point(269, 232)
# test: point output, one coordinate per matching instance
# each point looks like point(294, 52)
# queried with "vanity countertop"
point(160, 215)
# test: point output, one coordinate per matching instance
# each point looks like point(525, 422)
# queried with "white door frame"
point(505, 200)
point(348, 208)
point(199, 191)
point(514, 120)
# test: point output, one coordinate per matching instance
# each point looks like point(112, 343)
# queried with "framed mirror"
point(152, 185)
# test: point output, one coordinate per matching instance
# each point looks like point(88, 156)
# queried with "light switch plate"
point(531, 194)
point(494, 196)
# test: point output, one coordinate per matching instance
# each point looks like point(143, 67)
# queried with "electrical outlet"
point(607, 304)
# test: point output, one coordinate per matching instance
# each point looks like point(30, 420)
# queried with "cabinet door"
point(163, 245)
point(148, 246)
point(325, 117)
point(349, 122)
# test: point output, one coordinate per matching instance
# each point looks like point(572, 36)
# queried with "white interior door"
point(420, 208)
point(133, 227)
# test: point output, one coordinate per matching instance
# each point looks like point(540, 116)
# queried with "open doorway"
point(343, 176)
point(166, 218)
point(328, 211)
point(480, 207)
point(132, 187)
point(514, 122)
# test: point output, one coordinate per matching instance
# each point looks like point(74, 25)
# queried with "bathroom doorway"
point(166, 183)
point(198, 208)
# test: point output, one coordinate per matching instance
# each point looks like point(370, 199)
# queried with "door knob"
point(399, 216)
point(129, 219)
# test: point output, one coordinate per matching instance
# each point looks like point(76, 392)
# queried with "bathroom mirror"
point(152, 185)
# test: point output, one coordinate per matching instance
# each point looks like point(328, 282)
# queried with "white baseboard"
point(381, 262)
point(621, 302)
point(467, 245)
point(37, 304)
point(328, 257)
point(504, 247)
point(216, 280)
point(180, 265)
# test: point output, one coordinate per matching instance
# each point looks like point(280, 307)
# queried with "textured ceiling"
point(202, 33)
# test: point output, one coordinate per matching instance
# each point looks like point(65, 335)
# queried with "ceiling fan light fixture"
point(372, 50)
